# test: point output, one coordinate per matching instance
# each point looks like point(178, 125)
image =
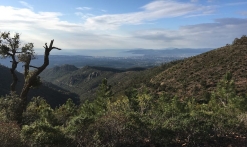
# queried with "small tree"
point(240, 41)
point(225, 90)
point(104, 90)
point(10, 47)
point(104, 94)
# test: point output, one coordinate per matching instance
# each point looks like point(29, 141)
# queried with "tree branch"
point(46, 45)
point(9, 54)
point(33, 66)
point(51, 44)
point(56, 48)
point(15, 62)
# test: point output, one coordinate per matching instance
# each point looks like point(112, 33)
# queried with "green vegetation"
point(144, 113)
point(137, 120)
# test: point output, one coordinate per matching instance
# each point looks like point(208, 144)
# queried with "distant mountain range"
point(185, 52)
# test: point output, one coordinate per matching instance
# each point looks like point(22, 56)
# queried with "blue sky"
point(126, 24)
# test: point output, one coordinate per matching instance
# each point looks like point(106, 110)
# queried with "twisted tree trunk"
point(14, 76)
point(31, 78)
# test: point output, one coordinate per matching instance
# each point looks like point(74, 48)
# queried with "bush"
point(43, 134)
point(10, 135)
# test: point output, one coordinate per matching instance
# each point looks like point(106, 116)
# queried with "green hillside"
point(84, 81)
point(197, 75)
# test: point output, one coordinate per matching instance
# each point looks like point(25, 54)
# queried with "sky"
point(125, 24)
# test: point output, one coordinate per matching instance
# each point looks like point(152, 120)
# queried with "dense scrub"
point(136, 119)
point(197, 75)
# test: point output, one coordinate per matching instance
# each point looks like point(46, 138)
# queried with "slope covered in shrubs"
point(197, 75)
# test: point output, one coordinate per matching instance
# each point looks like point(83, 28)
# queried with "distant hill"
point(54, 95)
point(85, 81)
point(201, 73)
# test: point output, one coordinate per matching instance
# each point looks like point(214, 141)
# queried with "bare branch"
point(14, 61)
point(46, 45)
point(51, 44)
point(56, 48)
point(9, 54)
point(33, 66)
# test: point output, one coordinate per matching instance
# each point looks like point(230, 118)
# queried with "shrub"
point(10, 134)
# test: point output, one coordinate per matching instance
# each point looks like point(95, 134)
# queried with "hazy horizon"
point(114, 52)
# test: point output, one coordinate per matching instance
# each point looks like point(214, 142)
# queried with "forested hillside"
point(85, 81)
point(82, 81)
point(156, 107)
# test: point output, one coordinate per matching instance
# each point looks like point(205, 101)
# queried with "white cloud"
point(37, 27)
point(26, 5)
point(26, 19)
point(150, 12)
point(83, 8)
point(200, 35)
point(50, 20)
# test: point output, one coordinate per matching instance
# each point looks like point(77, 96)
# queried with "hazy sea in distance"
point(105, 57)
point(94, 53)
point(168, 52)
point(73, 56)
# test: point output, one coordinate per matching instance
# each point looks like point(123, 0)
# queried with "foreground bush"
point(10, 134)
point(139, 119)
point(43, 134)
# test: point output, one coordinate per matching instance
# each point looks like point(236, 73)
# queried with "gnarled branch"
point(30, 80)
